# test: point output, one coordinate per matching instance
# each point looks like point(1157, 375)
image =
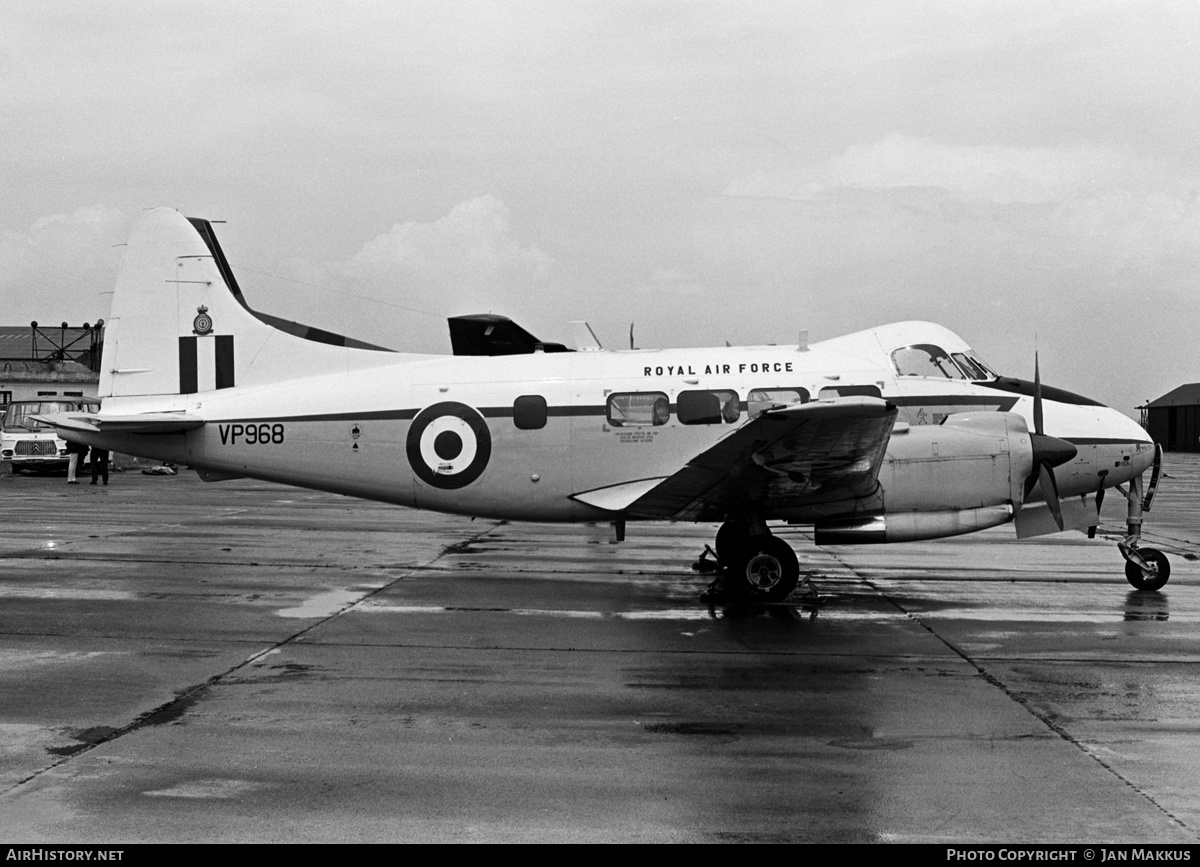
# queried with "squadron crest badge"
point(202, 324)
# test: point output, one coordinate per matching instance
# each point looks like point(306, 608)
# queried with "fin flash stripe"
point(189, 364)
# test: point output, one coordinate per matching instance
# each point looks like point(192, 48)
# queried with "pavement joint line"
point(183, 697)
point(1024, 703)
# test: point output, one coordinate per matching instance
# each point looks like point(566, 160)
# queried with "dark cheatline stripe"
point(552, 411)
point(376, 415)
point(1029, 389)
point(410, 414)
point(1004, 403)
point(188, 380)
point(225, 361)
point(1106, 441)
point(575, 410)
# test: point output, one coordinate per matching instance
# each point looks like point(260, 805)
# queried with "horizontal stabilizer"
point(141, 423)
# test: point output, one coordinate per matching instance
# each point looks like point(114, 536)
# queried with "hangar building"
point(40, 361)
point(1173, 420)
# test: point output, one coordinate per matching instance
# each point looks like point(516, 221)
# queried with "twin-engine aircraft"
point(892, 434)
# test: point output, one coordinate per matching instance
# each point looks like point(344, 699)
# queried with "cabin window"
point(761, 399)
point(529, 412)
point(850, 391)
point(638, 409)
point(708, 407)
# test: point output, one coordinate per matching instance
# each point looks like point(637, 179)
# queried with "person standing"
point(99, 464)
point(75, 453)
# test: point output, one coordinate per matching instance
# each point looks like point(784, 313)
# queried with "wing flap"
point(791, 456)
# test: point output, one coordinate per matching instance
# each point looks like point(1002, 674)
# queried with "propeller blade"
point(1037, 396)
point(1091, 533)
point(1050, 492)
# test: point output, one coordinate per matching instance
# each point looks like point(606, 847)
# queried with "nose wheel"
point(1145, 568)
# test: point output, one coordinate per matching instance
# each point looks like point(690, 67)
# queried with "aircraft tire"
point(731, 538)
point(765, 569)
point(1143, 579)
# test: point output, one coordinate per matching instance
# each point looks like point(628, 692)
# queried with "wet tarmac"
point(182, 661)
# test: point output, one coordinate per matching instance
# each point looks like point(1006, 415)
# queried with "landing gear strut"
point(754, 564)
point(1145, 568)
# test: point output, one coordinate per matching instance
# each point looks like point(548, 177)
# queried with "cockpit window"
point(925, 359)
point(973, 365)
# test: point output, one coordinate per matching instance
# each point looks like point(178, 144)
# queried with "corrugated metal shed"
point(21, 342)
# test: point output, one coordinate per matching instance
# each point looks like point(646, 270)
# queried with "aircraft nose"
point(1125, 427)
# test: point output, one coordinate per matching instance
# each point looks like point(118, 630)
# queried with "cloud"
point(469, 252)
point(973, 173)
point(1090, 204)
point(61, 264)
point(468, 261)
point(1091, 247)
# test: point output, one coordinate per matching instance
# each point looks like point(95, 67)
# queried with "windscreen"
point(20, 415)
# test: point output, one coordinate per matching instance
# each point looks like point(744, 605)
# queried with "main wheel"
point(765, 568)
point(1154, 577)
point(732, 537)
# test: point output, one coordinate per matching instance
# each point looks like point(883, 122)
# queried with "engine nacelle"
point(911, 526)
point(963, 475)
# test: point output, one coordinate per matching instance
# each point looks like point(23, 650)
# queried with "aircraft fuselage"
point(552, 428)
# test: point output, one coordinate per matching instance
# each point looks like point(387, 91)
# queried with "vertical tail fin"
point(180, 325)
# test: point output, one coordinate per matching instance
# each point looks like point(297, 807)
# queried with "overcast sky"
point(1017, 171)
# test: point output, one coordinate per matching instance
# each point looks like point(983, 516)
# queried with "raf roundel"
point(449, 445)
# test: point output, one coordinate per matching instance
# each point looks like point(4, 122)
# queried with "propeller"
point(1048, 453)
point(1091, 533)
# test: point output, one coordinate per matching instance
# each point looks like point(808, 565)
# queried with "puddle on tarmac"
point(208, 789)
point(324, 604)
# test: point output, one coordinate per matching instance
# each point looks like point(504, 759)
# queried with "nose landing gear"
point(1145, 568)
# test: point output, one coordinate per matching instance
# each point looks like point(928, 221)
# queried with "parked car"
point(26, 443)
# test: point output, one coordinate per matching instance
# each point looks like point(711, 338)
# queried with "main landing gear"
point(1145, 568)
point(753, 564)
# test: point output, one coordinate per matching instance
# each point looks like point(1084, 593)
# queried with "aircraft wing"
point(791, 456)
point(141, 423)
